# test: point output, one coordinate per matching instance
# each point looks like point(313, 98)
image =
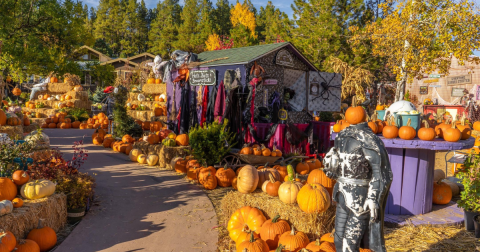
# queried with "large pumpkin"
point(293, 240)
point(272, 229)
point(45, 237)
point(181, 166)
point(20, 177)
point(207, 178)
point(8, 239)
point(247, 179)
point(355, 114)
point(245, 218)
point(313, 198)
point(27, 246)
point(8, 190)
point(442, 193)
point(38, 189)
point(288, 191)
point(224, 176)
point(319, 177)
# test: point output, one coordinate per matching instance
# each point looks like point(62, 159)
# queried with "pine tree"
point(130, 40)
point(124, 124)
point(98, 95)
point(188, 29)
point(109, 25)
point(143, 27)
point(221, 17)
point(164, 33)
point(273, 24)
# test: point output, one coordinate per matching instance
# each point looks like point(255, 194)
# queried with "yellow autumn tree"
point(241, 14)
point(418, 37)
point(213, 42)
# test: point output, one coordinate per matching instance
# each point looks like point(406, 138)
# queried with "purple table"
point(413, 165)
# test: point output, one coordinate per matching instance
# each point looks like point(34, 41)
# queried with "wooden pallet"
point(441, 215)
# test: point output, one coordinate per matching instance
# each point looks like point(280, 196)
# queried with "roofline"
point(91, 49)
point(142, 54)
point(118, 59)
point(305, 59)
point(225, 64)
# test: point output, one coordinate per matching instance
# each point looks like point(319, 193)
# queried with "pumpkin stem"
point(426, 124)
point(275, 219)
point(272, 179)
point(354, 101)
point(317, 242)
point(252, 239)
point(409, 122)
point(453, 124)
point(280, 248)
point(293, 228)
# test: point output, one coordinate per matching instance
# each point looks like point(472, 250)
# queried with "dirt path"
point(139, 208)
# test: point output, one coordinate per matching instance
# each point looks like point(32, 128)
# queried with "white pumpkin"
point(129, 105)
point(152, 159)
point(40, 97)
point(38, 189)
point(398, 106)
point(6, 207)
point(58, 97)
point(145, 138)
point(5, 139)
point(141, 97)
point(287, 192)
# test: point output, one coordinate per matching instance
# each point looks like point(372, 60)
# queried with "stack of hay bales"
point(14, 132)
point(151, 90)
point(165, 154)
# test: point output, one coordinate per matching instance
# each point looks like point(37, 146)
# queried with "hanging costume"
point(211, 105)
point(359, 162)
point(219, 102)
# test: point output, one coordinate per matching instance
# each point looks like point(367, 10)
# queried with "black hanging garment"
point(211, 105)
point(193, 110)
point(274, 105)
point(185, 109)
point(269, 135)
point(233, 113)
point(295, 136)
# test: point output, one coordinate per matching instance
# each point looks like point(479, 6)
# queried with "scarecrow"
point(359, 162)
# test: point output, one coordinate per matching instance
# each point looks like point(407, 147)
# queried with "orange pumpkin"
point(224, 176)
point(464, 129)
point(272, 229)
point(17, 202)
point(390, 131)
point(246, 150)
point(355, 114)
point(407, 132)
point(302, 168)
point(27, 246)
point(426, 133)
point(442, 193)
point(8, 240)
point(293, 240)
point(253, 245)
point(45, 237)
point(8, 190)
point(452, 134)
point(313, 198)
point(337, 127)
point(317, 176)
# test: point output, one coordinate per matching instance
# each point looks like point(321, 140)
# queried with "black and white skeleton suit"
point(359, 162)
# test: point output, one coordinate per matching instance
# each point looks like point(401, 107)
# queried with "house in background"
point(86, 54)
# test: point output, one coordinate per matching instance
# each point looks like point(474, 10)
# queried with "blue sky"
point(283, 5)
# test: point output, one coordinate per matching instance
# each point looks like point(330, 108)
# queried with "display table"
point(413, 165)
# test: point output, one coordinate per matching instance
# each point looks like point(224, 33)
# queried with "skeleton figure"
point(359, 162)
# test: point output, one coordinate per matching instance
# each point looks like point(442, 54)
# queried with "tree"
point(195, 27)
point(109, 25)
point(221, 17)
point(420, 37)
point(273, 24)
point(164, 30)
point(244, 24)
point(36, 34)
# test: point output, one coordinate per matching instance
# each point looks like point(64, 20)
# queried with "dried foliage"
point(73, 79)
point(354, 79)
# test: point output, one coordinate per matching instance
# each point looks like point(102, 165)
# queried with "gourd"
point(181, 140)
point(272, 229)
point(313, 198)
point(245, 219)
point(27, 246)
point(37, 189)
point(390, 130)
point(8, 190)
point(45, 237)
point(452, 134)
point(355, 114)
point(20, 177)
point(6, 207)
point(8, 239)
point(426, 133)
point(272, 186)
point(407, 132)
point(293, 240)
point(442, 193)
point(152, 159)
point(247, 179)
point(253, 245)
point(17, 202)
point(288, 191)
point(225, 176)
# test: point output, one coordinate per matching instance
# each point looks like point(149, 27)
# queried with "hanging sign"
point(457, 92)
point(423, 90)
point(459, 80)
point(270, 82)
point(203, 77)
point(431, 81)
point(434, 76)
point(284, 58)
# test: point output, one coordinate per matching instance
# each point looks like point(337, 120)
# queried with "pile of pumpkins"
point(443, 189)
point(251, 231)
point(97, 121)
point(260, 150)
point(60, 121)
point(445, 128)
point(100, 137)
point(42, 238)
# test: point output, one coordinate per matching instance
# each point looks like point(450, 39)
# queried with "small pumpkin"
point(266, 151)
point(17, 202)
point(337, 127)
point(355, 114)
point(390, 131)
point(225, 176)
point(302, 168)
point(20, 177)
point(288, 191)
point(8, 190)
point(27, 245)
point(246, 150)
point(294, 240)
point(272, 186)
point(272, 229)
point(207, 178)
point(6, 207)
point(452, 134)
point(152, 159)
point(314, 246)
point(44, 236)
point(442, 193)
point(372, 124)
point(182, 140)
point(142, 159)
point(181, 166)
point(253, 245)
point(426, 133)
point(407, 132)
point(8, 240)
point(464, 129)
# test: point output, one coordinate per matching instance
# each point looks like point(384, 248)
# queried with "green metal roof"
point(244, 55)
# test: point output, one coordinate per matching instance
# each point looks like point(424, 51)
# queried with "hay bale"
point(59, 88)
point(168, 153)
point(53, 211)
point(82, 104)
point(154, 88)
point(33, 126)
point(314, 225)
point(162, 119)
point(38, 121)
point(14, 132)
point(80, 95)
point(150, 105)
point(142, 115)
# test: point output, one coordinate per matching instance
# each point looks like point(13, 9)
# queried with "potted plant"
point(79, 190)
point(470, 196)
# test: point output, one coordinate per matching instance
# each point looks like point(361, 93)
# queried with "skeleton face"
point(332, 159)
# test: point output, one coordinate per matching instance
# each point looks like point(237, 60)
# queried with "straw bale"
point(41, 92)
point(14, 132)
point(38, 121)
point(33, 126)
point(314, 225)
point(80, 95)
point(142, 115)
point(59, 88)
point(53, 211)
point(82, 104)
point(154, 88)
point(165, 154)
point(150, 105)
point(44, 112)
point(162, 119)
